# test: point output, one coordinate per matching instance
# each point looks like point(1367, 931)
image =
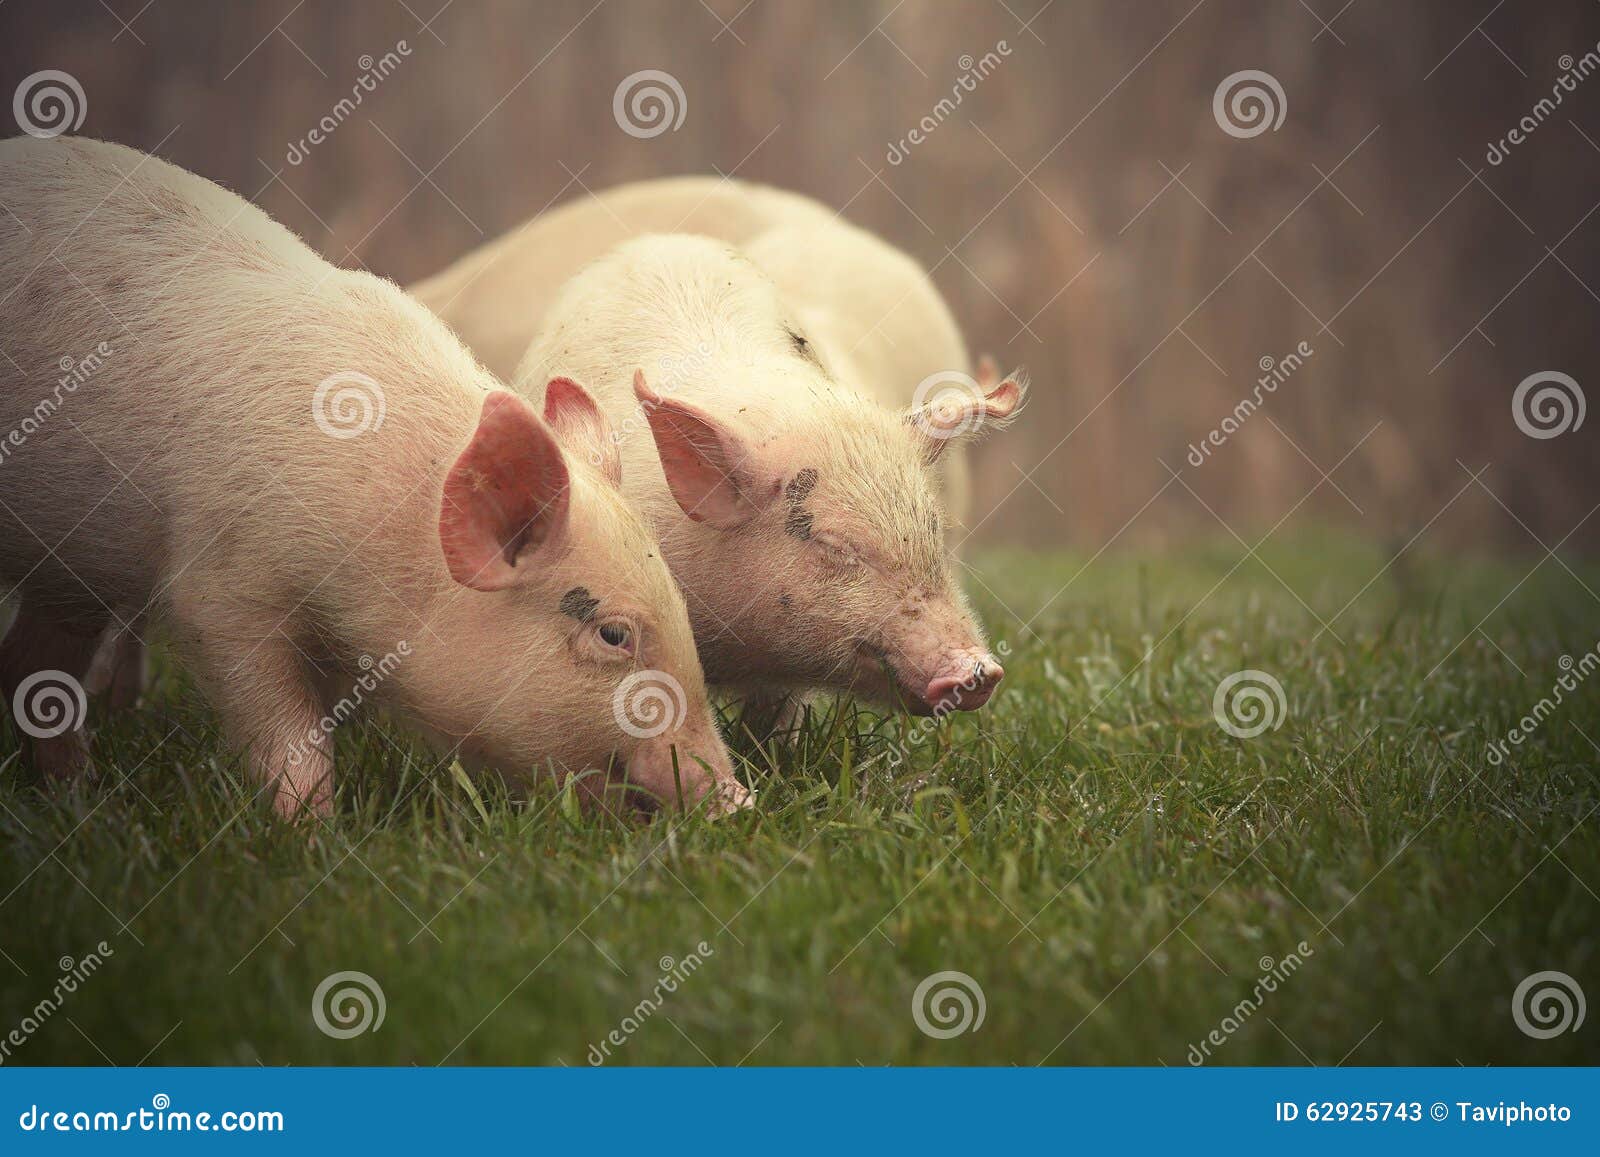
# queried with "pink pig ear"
point(504, 498)
point(581, 426)
point(708, 465)
point(954, 415)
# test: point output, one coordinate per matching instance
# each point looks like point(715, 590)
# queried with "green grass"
point(1093, 849)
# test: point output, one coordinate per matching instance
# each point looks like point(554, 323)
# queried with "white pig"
point(299, 469)
point(801, 517)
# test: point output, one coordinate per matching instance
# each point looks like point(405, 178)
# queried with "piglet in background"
point(810, 395)
point(298, 469)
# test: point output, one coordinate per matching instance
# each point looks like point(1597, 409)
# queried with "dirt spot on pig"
point(579, 604)
point(798, 521)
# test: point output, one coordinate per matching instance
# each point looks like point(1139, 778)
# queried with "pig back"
point(496, 297)
point(201, 336)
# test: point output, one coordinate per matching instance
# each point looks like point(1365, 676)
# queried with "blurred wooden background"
point(1083, 209)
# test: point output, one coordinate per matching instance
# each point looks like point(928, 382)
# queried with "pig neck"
point(375, 498)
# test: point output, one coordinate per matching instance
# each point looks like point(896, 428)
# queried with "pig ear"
point(708, 465)
point(504, 498)
point(955, 414)
point(581, 426)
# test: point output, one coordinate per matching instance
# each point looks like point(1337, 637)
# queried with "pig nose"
point(968, 691)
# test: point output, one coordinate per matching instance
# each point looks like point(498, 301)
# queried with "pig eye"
point(838, 552)
point(616, 634)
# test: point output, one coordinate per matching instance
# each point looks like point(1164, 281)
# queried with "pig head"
point(813, 548)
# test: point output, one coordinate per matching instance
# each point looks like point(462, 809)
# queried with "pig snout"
point(703, 772)
point(968, 681)
point(933, 657)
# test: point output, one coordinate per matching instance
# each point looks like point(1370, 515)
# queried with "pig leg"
point(772, 714)
point(267, 698)
point(128, 676)
point(272, 712)
point(118, 671)
point(39, 642)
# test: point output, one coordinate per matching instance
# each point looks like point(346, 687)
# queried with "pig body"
point(801, 516)
point(870, 310)
point(299, 470)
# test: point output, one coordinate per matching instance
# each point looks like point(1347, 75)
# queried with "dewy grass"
point(1091, 870)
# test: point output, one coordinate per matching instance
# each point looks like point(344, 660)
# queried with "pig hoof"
point(63, 759)
point(728, 799)
point(126, 687)
point(774, 717)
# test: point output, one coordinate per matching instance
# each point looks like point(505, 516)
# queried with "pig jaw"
point(688, 769)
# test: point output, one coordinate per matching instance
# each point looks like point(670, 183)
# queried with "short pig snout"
point(968, 682)
point(684, 768)
point(936, 657)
